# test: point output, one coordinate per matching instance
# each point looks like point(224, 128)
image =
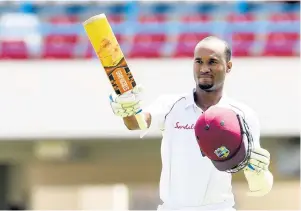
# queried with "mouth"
point(205, 77)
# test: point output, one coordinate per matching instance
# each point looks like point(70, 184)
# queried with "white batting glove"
point(127, 104)
point(259, 178)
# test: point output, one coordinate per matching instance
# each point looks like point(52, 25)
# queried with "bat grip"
point(141, 120)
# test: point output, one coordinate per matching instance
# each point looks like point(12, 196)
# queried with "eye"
point(198, 61)
point(212, 62)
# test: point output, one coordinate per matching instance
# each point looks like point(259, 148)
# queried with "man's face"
point(210, 66)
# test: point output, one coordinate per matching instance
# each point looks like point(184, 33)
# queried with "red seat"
point(158, 18)
point(64, 19)
point(59, 46)
point(115, 18)
point(149, 38)
point(242, 43)
point(66, 38)
point(147, 46)
point(281, 44)
point(13, 50)
point(186, 43)
point(236, 17)
point(279, 17)
point(195, 18)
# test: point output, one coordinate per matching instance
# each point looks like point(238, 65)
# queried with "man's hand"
point(259, 178)
point(127, 104)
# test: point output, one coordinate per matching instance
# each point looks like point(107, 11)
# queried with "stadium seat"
point(13, 50)
point(55, 31)
point(147, 45)
point(186, 43)
point(192, 18)
point(152, 18)
point(141, 38)
point(63, 19)
point(242, 43)
point(59, 46)
point(280, 17)
point(115, 19)
point(281, 44)
point(240, 17)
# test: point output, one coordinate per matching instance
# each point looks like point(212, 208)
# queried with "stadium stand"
point(42, 30)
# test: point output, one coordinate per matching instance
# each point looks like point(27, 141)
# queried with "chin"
point(206, 87)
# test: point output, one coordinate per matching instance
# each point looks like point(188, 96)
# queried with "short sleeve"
point(158, 111)
point(254, 126)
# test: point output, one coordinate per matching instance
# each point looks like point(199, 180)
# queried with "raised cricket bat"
point(111, 57)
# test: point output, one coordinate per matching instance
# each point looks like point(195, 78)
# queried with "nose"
point(205, 69)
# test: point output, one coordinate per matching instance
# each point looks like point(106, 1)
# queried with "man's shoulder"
point(249, 115)
point(166, 102)
point(171, 99)
point(242, 108)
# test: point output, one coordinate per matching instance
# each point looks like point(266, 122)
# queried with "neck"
point(206, 99)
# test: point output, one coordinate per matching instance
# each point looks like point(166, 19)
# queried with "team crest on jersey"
point(222, 152)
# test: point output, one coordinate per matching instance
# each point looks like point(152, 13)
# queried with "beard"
point(206, 87)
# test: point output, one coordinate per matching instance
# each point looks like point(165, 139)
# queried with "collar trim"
point(191, 102)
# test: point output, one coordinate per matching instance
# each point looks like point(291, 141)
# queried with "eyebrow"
point(199, 59)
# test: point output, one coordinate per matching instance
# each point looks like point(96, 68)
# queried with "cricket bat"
point(110, 55)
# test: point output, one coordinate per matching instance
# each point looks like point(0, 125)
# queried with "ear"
point(229, 66)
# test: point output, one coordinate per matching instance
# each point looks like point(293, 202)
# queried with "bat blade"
point(110, 55)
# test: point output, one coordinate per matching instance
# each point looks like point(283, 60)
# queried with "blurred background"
point(61, 146)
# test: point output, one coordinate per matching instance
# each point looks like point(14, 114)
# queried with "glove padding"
point(259, 178)
point(127, 104)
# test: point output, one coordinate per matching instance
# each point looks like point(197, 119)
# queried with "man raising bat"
point(188, 179)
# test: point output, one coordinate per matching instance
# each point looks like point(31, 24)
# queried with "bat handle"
point(141, 120)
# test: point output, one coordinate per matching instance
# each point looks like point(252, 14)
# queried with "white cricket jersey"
point(189, 180)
